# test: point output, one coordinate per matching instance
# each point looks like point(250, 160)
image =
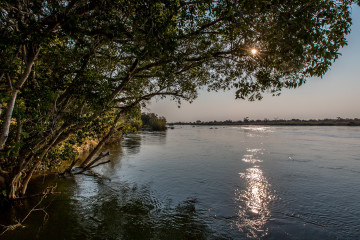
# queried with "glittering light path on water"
point(253, 201)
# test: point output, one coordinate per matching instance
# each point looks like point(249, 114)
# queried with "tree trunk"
point(10, 107)
point(101, 156)
point(18, 130)
point(97, 148)
point(28, 177)
point(15, 185)
point(102, 142)
point(7, 120)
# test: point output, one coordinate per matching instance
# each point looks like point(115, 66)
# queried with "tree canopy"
point(74, 68)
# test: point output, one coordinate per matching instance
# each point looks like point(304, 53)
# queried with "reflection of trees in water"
point(139, 219)
point(132, 143)
point(183, 222)
point(115, 210)
point(116, 153)
point(154, 137)
point(134, 214)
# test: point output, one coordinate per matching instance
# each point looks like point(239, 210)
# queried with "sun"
point(254, 51)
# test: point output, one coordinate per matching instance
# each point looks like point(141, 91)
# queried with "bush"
point(153, 122)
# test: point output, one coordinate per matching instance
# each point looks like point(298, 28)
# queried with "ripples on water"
point(253, 201)
point(250, 182)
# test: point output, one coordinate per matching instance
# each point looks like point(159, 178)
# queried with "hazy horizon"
point(334, 95)
point(268, 119)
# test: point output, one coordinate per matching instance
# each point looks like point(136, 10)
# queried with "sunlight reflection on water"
point(261, 129)
point(253, 201)
point(250, 156)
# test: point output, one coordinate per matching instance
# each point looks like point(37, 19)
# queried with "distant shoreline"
point(293, 122)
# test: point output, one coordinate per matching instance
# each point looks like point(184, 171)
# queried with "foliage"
point(153, 121)
point(136, 124)
point(70, 68)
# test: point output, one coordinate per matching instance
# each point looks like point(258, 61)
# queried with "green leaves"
point(153, 122)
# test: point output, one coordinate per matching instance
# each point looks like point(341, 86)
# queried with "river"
point(232, 182)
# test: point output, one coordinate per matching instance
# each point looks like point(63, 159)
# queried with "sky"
point(337, 94)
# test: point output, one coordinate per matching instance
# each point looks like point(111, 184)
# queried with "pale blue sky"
point(337, 94)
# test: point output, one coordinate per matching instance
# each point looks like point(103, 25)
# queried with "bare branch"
point(49, 190)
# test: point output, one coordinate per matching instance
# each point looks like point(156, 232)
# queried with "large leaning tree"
point(71, 67)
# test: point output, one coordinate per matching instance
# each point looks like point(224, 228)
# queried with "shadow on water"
point(93, 208)
point(155, 137)
point(132, 143)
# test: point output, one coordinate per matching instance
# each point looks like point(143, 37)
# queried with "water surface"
point(252, 182)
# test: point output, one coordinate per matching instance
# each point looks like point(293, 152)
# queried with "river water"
point(243, 182)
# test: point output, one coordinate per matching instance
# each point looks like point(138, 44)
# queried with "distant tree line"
point(295, 122)
point(153, 122)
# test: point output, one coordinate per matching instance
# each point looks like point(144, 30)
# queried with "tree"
point(69, 66)
point(153, 121)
